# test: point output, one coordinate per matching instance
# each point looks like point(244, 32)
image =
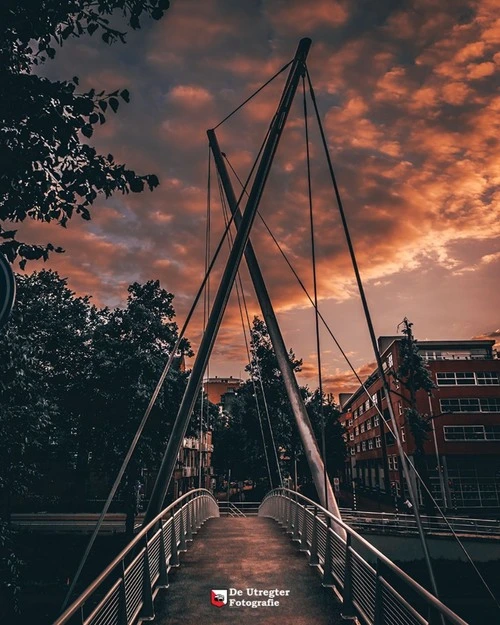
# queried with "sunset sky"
point(409, 95)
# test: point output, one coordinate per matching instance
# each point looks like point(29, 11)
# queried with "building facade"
point(462, 453)
point(216, 388)
point(193, 458)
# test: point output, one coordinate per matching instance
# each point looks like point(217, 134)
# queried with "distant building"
point(464, 411)
point(222, 391)
point(187, 470)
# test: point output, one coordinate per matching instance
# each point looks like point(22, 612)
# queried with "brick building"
point(463, 449)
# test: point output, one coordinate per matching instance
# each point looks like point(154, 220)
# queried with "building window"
point(358, 447)
point(471, 432)
point(351, 436)
point(467, 378)
point(374, 399)
point(356, 431)
point(487, 377)
point(362, 427)
point(355, 413)
point(370, 443)
point(400, 408)
point(363, 445)
point(350, 422)
point(403, 435)
point(360, 410)
point(485, 404)
point(390, 361)
point(369, 424)
point(389, 462)
point(461, 378)
point(353, 451)
point(378, 442)
point(376, 420)
point(367, 404)
point(395, 462)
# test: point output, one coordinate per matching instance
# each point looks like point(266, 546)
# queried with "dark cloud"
point(407, 94)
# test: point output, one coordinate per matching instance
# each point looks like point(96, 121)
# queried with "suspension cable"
point(206, 306)
point(315, 291)
point(257, 365)
point(155, 394)
point(366, 391)
point(239, 287)
point(395, 432)
point(254, 94)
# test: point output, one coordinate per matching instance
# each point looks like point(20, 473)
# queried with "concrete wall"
point(409, 548)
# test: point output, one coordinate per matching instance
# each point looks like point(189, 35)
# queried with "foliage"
point(74, 383)
point(48, 172)
point(413, 374)
point(76, 380)
point(238, 437)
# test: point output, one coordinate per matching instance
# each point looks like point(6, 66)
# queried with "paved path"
point(243, 553)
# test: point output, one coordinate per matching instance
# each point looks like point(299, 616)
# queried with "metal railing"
point(124, 592)
point(239, 508)
point(377, 595)
point(386, 522)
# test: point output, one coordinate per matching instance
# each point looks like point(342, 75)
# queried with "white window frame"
point(378, 442)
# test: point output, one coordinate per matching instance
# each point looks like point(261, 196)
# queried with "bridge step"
point(243, 553)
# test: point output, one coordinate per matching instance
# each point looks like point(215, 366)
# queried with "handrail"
point(382, 560)
point(179, 504)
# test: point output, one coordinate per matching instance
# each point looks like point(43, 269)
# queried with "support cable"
point(368, 394)
point(254, 94)
point(206, 306)
point(239, 288)
point(147, 413)
point(315, 288)
point(371, 330)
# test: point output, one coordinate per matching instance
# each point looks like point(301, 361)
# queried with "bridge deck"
point(243, 553)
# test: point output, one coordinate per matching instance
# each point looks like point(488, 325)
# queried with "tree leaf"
point(114, 104)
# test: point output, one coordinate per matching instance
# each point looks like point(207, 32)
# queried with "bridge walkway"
point(242, 553)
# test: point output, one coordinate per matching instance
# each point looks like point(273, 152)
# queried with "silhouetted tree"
point(238, 440)
point(413, 374)
point(48, 172)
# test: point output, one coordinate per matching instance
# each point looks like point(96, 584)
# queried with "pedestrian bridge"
point(259, 565)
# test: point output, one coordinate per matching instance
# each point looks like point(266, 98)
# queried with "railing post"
point(296, 535)
point(174, 552)
point(147, 611)
point(162, 565)
point(314, 557)
point(327, 563)
point(194, 503)
point(379, 596)
point(290, 517)
point(182, 532)
point(348, 611)
point(303, 532)
point(189, 527)
point(122, 598)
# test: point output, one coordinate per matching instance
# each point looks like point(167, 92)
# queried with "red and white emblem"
point(218, 597)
